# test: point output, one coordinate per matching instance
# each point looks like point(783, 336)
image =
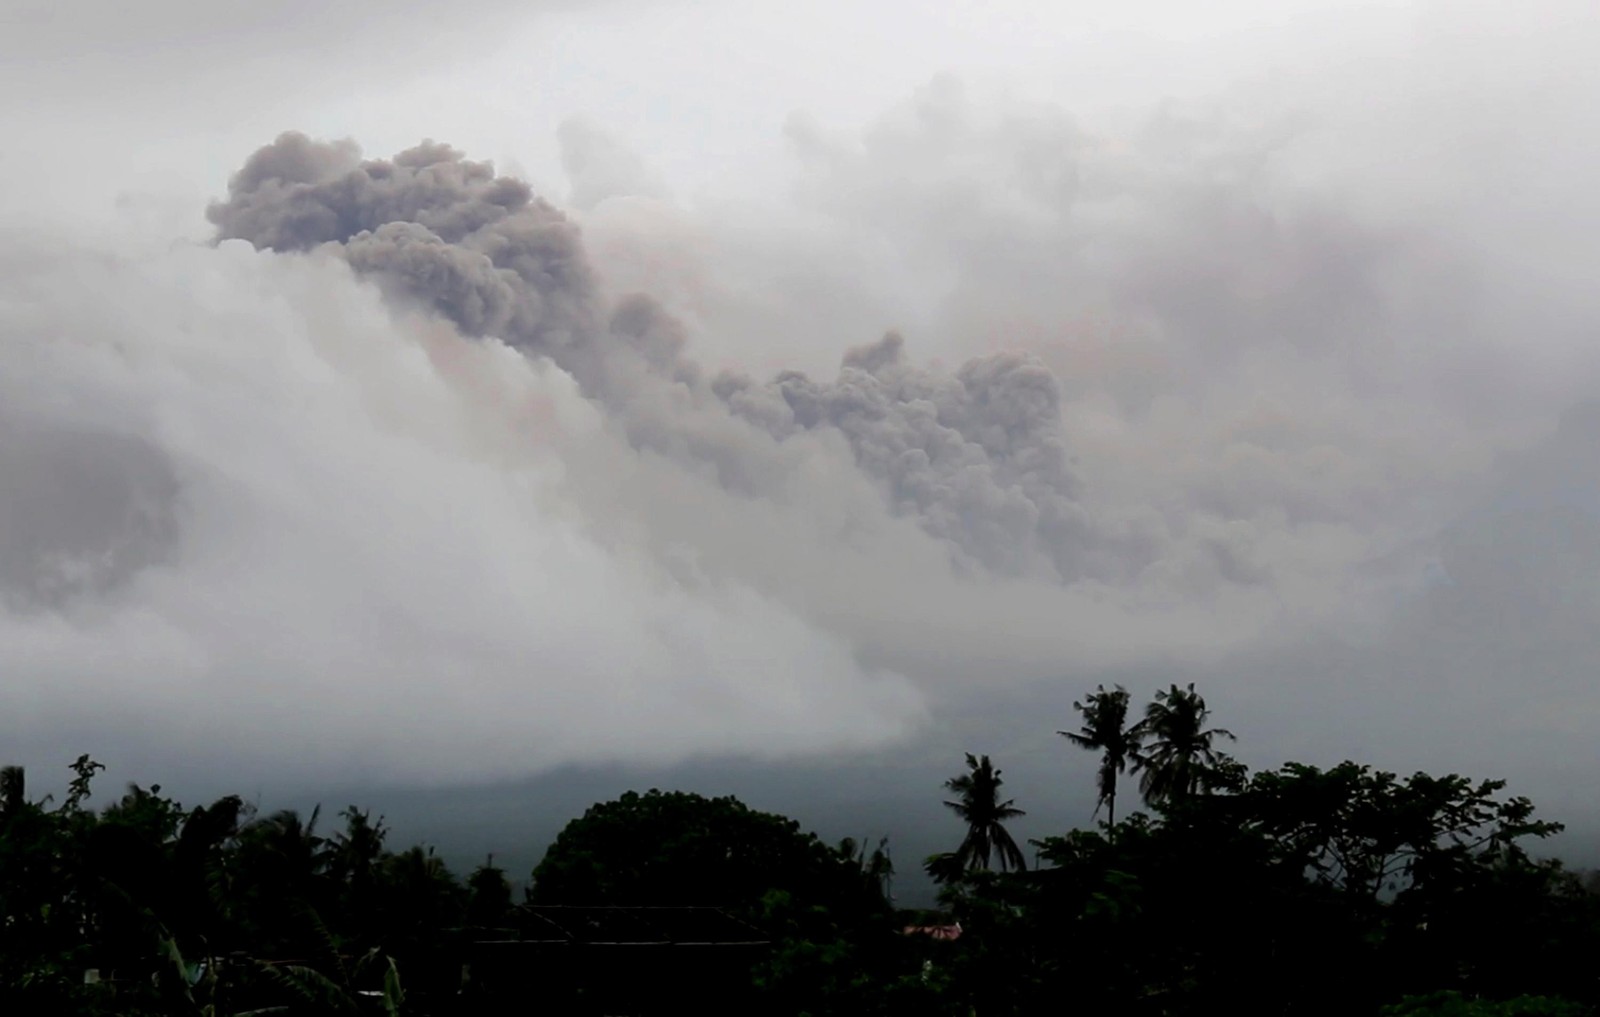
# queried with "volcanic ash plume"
point(977, 457)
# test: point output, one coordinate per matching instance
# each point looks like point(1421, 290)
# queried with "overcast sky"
point(1245, 343)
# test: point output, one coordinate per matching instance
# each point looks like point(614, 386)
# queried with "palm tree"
point(1106, 730)
point(979, 806)
point(354, 860)
point(292, 844)
point(201, 884)
point(1178, 760)
point(420, 897)
point(877, 869)
point(277, 870)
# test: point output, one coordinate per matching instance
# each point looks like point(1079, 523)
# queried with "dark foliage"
point(676, 848)
point(1298, 892)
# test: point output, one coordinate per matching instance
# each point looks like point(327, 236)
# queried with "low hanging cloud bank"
point(254, 516)
point(479, 519)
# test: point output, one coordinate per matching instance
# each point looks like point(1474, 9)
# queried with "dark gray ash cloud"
point(479, 248)
point(977, 457)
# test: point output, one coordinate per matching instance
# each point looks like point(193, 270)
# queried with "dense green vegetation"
point(1299, 890)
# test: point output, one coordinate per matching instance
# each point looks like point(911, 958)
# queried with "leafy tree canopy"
point(677, 848)
point(1371, 833)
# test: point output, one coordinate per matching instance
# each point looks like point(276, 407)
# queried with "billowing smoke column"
point(479, 249)
point(977, 458)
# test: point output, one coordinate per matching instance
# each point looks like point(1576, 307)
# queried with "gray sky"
point(1278, 333)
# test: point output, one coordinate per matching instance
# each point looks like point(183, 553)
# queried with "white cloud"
point(368, 561)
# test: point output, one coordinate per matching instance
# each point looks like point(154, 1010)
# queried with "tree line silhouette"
point(1297, 890)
